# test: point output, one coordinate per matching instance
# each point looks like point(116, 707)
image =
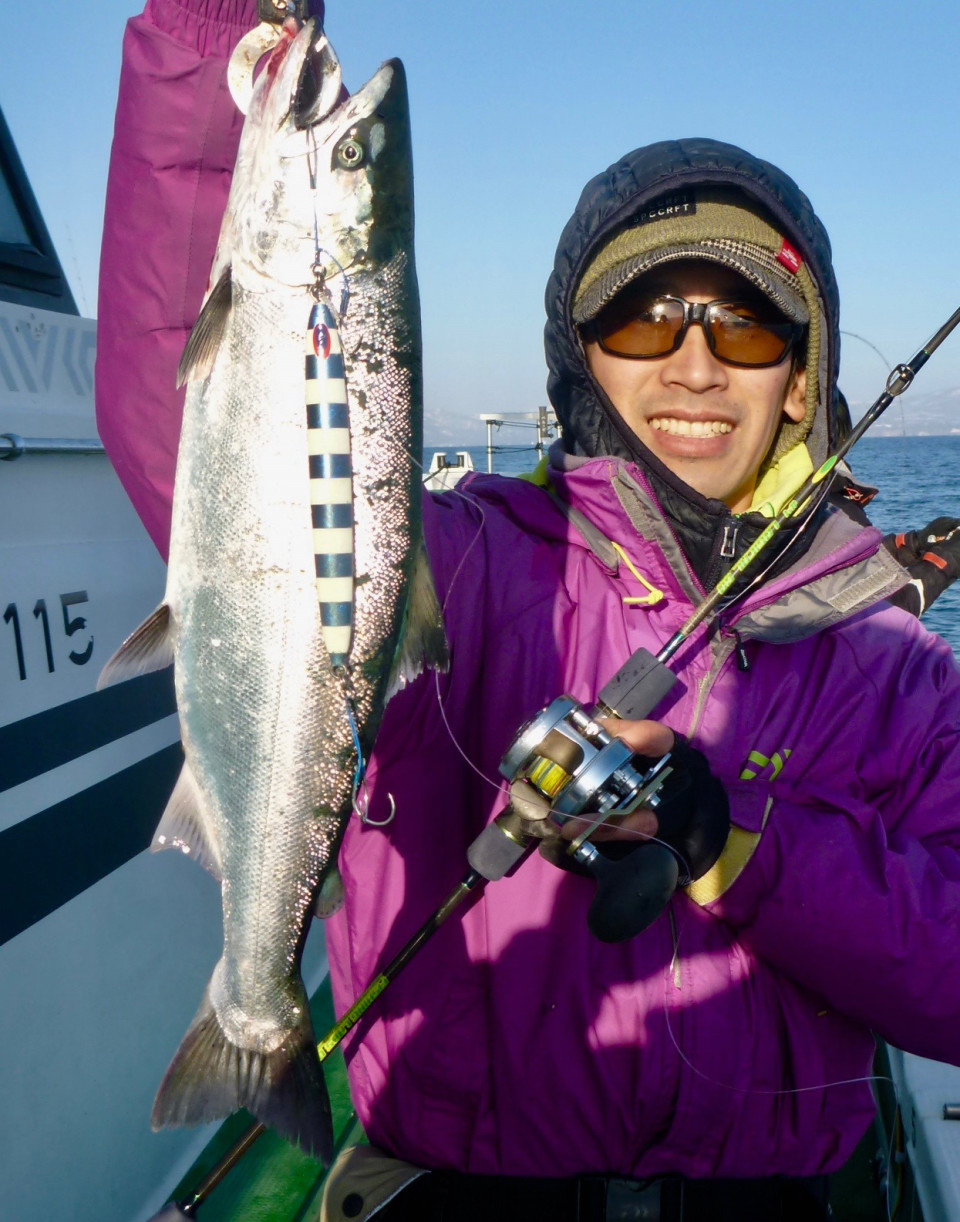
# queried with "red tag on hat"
point(789, 257)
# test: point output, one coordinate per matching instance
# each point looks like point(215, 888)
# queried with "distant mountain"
point(451, 429)
point(917, 414)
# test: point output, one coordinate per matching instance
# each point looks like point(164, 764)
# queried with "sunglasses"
point(641, 327)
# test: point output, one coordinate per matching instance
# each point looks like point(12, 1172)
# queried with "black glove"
point(693, 817)
point(941, 538)
point(635, 879)
point(932, 558)
point(694, 814)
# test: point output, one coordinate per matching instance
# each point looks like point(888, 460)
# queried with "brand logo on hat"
point(789, 257)
point(681, 203)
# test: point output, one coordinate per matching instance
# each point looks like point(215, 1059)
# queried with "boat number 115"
point(72, 624)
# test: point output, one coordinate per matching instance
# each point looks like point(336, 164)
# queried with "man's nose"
point(693, 365)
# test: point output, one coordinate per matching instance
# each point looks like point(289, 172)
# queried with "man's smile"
point(680, 427)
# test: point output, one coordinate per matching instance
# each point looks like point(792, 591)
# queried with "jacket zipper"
point(724, 551)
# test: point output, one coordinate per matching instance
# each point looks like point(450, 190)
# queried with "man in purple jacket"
point(716, 1065)
point(692, 344)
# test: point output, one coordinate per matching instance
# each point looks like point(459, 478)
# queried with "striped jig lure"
point(331, 479)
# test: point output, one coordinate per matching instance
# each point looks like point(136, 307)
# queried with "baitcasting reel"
point(568, 758)
point(563, 765)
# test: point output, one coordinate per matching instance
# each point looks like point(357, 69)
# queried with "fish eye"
point(350, 154)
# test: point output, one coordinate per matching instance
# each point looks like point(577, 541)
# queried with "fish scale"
point(386, 448)
point(262, 704)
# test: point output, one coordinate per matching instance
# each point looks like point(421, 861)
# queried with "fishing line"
point(590, 821)
point(819, 497)
point(886, 364)
point(320, 278)
point(626, 833)
point(734, 1088)
point(361, 766)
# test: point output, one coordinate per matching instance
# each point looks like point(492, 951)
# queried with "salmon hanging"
point(331, 482)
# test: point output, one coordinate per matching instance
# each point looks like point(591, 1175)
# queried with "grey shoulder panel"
point(594, 538)
point(828, 600)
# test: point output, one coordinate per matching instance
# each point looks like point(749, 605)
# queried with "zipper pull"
point(743, 662)
point(728, 549)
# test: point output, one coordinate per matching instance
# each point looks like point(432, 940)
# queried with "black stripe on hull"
point(51, 738)
point(53, 856)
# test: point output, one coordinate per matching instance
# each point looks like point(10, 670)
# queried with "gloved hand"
point(692, 816)
point(932, 558)
point(635, 880)
point(938, 544)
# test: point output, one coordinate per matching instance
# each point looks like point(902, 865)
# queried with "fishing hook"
point(364, 815)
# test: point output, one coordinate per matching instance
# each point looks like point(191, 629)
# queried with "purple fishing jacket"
point(728, 1037)
point(722, 1040)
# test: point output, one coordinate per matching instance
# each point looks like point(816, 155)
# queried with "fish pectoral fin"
point(204, 342)
point(330, 896)
point(423, 642)
point(210, 1077)
point(186, 825)
point(147, 648)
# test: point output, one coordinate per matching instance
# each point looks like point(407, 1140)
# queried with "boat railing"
point(543, 420)
point(12, 446)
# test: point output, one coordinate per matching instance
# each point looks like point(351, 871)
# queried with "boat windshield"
point(30, 272)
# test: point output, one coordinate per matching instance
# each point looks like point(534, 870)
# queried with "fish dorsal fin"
point(147, 648)
point(423, 642)
point(185, 826)
point(204, 342)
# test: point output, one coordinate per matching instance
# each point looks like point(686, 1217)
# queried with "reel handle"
point(634, 886)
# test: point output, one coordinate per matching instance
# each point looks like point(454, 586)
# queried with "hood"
point(609, 202)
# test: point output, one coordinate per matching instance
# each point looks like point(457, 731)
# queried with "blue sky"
point(516, 104)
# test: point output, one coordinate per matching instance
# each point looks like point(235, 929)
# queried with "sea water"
point(918, 480)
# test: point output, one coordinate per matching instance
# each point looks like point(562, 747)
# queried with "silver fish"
point(321, 197)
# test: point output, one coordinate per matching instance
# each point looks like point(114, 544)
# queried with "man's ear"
point(795, 400)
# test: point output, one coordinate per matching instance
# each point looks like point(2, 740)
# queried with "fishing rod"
point(900, 377)
point(187, 1208)
point(563, 762)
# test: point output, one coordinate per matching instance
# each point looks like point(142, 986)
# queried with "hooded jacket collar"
point(591, 425)
point(841, 571)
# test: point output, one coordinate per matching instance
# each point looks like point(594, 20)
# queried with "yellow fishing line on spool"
point(547, 776)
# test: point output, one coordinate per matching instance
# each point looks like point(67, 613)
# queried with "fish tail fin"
point(210, 1077)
